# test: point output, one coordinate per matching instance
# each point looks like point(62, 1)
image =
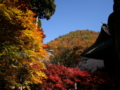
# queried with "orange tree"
point(20, 45)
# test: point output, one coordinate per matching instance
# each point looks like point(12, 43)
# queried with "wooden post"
point(114, 27)
point(75, 85)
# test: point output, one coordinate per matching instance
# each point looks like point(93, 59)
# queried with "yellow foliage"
point(21, 44)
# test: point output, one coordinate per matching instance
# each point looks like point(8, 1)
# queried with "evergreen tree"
point(43, 8)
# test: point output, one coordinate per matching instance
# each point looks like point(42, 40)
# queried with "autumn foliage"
point(63, 78)
point(20, 44)
point(68, 48)
point(22, 50)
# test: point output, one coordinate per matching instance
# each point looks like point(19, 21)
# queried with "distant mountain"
point(67, 48)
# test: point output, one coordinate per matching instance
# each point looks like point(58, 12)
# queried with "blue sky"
point(72, 15)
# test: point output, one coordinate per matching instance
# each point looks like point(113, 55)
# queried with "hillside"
point(67, 48)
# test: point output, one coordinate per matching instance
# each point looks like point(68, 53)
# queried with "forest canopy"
point(67, 48)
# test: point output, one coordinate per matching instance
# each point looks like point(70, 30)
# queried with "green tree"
point(43, 8)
